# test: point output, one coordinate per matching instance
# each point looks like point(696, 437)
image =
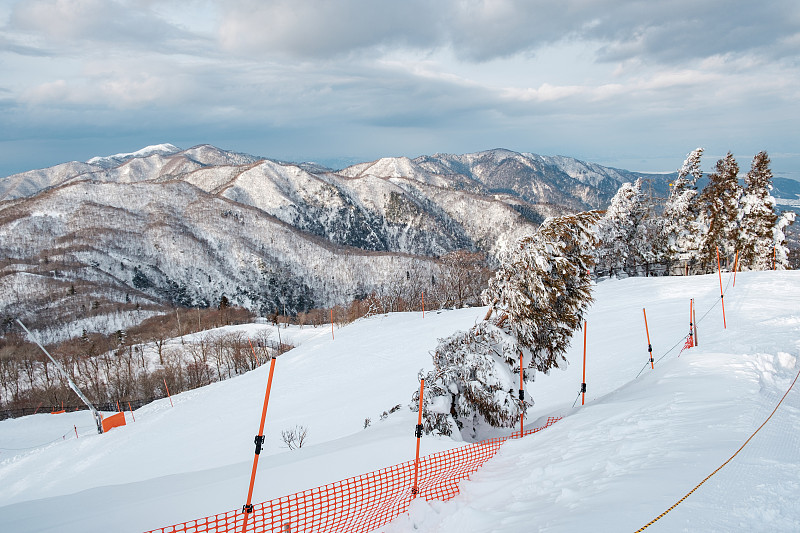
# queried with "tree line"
point(170, 350)
point(684, 236)
point(539, 295)
point(129, 365)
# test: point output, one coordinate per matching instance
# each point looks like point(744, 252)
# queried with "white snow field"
point(635, 449)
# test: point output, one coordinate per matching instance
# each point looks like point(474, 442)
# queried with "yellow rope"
point(662, 515)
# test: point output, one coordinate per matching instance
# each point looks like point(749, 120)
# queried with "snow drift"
point(637, 447)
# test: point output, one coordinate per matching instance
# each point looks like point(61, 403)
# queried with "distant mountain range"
point(166, 226)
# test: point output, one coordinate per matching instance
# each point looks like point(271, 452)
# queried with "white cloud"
point(134, 91)
point(48, 92)
point(117, 84)
point(545, 93)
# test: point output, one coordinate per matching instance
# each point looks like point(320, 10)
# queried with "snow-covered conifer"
point(758, 217)
point(472, 383)
point(780, 252)
point(543, 287)
point(679, 218)
point(537, 299)
point(626, 236)
point(720, 214)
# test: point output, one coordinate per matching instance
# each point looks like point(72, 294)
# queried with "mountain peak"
point(112, 160)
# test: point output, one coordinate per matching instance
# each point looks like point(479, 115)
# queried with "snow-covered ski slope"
point(636, 448)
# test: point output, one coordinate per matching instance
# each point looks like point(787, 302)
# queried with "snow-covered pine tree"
point(781, 250)
point(626, 236)
point(651, 241)
point(759, 220)
point(614, 229)
point(543, 287)
point(537, 299)
point(720, 214)
point(472, 383)
point(680, 215)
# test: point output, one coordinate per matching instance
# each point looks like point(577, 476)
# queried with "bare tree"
point(261, 344)
point(295, 437)
point(464, 275)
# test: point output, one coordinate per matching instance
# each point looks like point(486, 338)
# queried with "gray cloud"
point(475, 30)
point(8, 45)
point(681, 30)
point(360, 79)
point(481, 30)
point(61, 26)
point(319, 29)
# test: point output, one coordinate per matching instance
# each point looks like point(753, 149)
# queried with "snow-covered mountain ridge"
point(163, 225)
point(165, 149)
point(167, 226)
point(480, 170)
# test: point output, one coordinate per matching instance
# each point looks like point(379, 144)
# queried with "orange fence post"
point(254, 352)
point(735, 267)
point(332, 336)
point(168, 394)
point(521, 397)
point(691, 322)
point(259, 441)
point(649, 346)
point(721, 294)
point(774, 254)
point(76, 430)
point(694, 316)
point(131, 410)
point(583, 384)
point(418, 433)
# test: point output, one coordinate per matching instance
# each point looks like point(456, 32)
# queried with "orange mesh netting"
point(359, 504)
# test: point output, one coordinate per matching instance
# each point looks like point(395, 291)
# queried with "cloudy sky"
point(635, 85)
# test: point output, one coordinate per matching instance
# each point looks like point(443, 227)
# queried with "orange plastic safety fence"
point(359, 504)
point(113, 421)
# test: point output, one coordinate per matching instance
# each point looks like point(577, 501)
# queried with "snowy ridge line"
point(359, 504)
point(662, 515)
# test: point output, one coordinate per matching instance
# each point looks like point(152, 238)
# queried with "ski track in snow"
point(636, 448)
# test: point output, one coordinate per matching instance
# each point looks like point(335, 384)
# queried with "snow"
point(635, 448)
point(34, 181)
point(787, 201)
point(161, 149)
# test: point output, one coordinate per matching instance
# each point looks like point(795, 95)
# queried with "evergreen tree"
point(652, 240)
point(780, 249)
point(626, 234)
point(537, 298)
point(473, 383)
point(543, 287)
point(758, 217)
point(719, 214)
point(680, 216)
